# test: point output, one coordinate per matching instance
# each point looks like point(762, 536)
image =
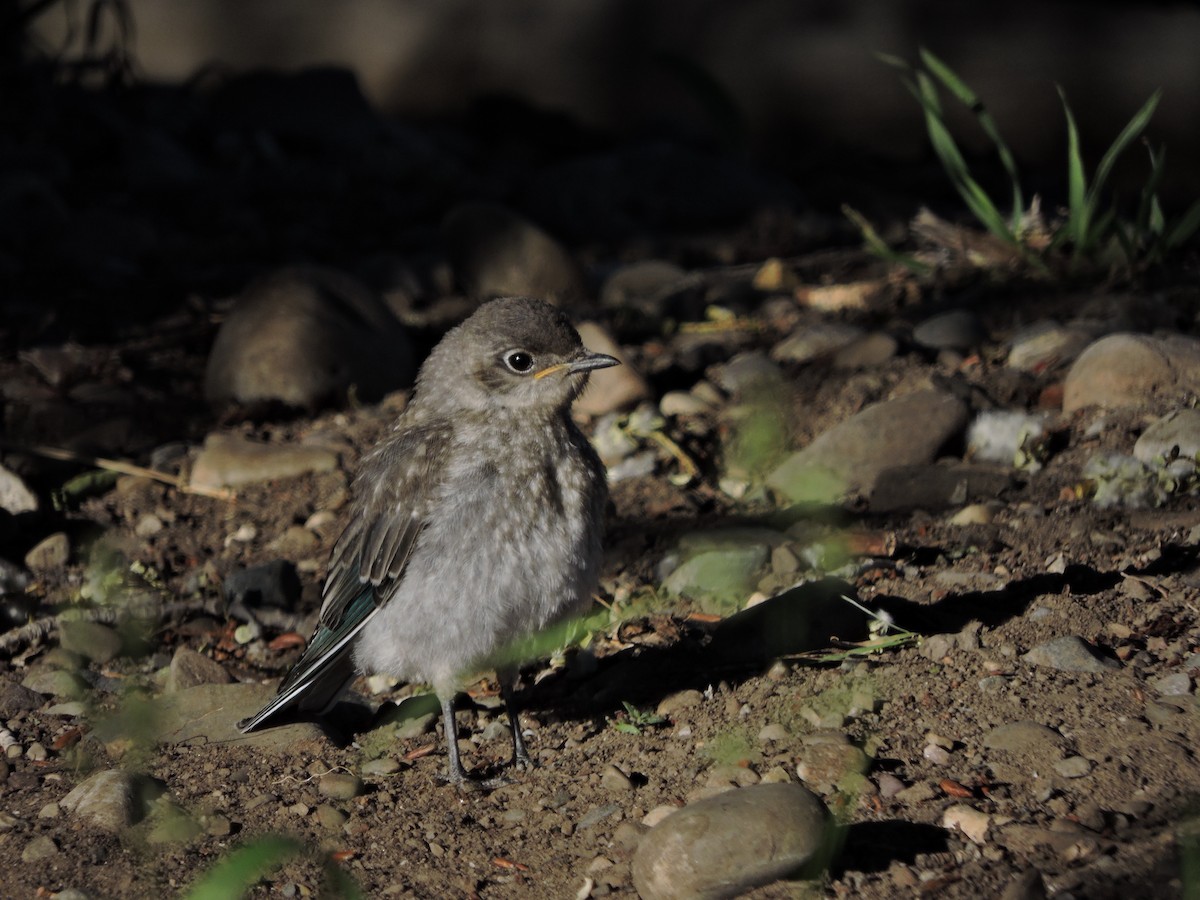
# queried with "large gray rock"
point(497, 253)
point(304, 337)
point(1124, 370)
point(113, 799)
point(209, 713)
point(725, 845)
point(850, 456)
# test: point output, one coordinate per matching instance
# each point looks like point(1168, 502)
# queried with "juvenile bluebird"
point(476, 522)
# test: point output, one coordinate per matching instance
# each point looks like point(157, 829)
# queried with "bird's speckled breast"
point(513, 544)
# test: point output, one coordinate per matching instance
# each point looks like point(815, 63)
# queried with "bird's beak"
point(585, 363)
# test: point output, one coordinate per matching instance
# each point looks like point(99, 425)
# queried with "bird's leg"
point(455, 773)
point(508, 681)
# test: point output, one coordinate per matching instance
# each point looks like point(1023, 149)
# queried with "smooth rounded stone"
point(866, 352)
point(683, 403)
point(977, 514)
point(39, 848)
point(55, 682)
point(855, 452)
point(49, 554)
point(889, 785)
point(1073, 767)
point(998, 435)
point(497, 253)
point(113, 799)
point(614, 780)
point(816, 342)
point(724, 845)
point(957, 329)
point(1028, 885)
point(16, 496)
point(1122, 370)
point(1045, 344)
point(148, 526)
point(265, 588)
point(330, 818)
point(745, 373)
point(616, 387)
point(722, 565)
point(968, 820)
point(657, 814)
point(1070, 654)
point(15, 698)
point(677, 702)
point(189, 668)
point(209, 713)
point(935, 486)
point(643, 284)
point(1176, 433)
point(1025, 737)
point(772, 733)
point(91, 640)
point(383, 766)
point(822, 765)
point(339, 786)
point(1177, 684)
point(304, 337)
point(228, 460)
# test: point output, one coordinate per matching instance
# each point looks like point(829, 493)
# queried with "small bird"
point(476, 522)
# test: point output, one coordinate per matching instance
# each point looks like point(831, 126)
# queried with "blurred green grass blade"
point(1126, 241)
point(1077, 211)
point(1183, 230)
point(971, 100)
point(892, 60)
point(1149, 195)
point(878, 246)
point(1128, 134)
point(985, 210)
point(243, 868)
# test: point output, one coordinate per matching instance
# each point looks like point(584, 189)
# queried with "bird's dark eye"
point(518, 361)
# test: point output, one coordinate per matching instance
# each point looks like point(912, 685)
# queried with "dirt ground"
point(1047, 563)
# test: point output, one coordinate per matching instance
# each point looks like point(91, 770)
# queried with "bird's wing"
point(395, 488)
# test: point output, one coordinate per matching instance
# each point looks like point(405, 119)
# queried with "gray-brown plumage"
point(477, 521)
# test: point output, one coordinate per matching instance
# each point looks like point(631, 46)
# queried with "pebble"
point(721, 564)
point(339, 785)
point(614, 388)
point(1176, 432)
point(1024, 737)
point(614, 780)
point(383, 766)
point(889, 785)
point(148, 526)
point(957, 329)
point(15, 698)
point(39, 848)
point(976, 514)
point(91, 640)
point(643, 284)
point(728, 844)
point(971, 822)
point(16, 497)
point(49, 554)
point(330, 818)
point(1044, 344)
point(56, 682)
point(1121, 370)
point(189, 668)
point(598, 814)
point(939, 756)
point(229, 460)
point(113, 799)
point(683, 403)
point(867, 352)
point(822, 765)
point(304, 336)
point(1177, 684)
point(1069, 654)
point(855, 452)
point(815, 342)
point(1073, 767)
point(50, 811)
point(772, 733)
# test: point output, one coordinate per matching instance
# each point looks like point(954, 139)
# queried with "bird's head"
point(512, 353)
